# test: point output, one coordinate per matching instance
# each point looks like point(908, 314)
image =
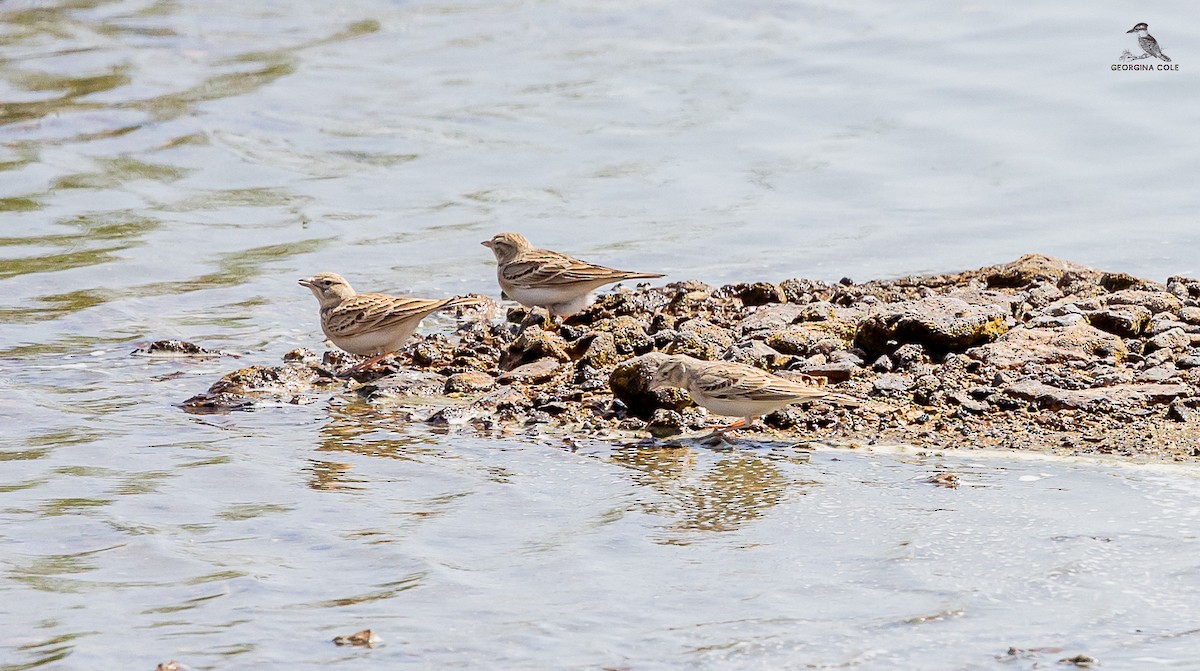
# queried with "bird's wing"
point(539, 268)
point(726, 380)
point(365, 313)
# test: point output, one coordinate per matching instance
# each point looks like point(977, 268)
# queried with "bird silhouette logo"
point(1147, 43)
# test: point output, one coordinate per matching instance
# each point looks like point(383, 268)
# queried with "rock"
point(533, 344)
point(1126, 321)
point(966, 402)
point(756, 353)
point(803, 290)
point(701, 339)
point(927, 390)
point(1028, 270)
point(771, 317)
point(1047, 321)
point(939, 323)
point(666, 423)
point(910, 355)
point(1190, 361)
point(208, 403)
point(173, 349)
point(1159, 373)
point(1054, 398)
point(1173, 339)
point(504, 403)
point(630, 382)
point(834, 371)
point(403, 383)
point(1179, 411)
point(1164, 322)
point(300, 354)
point(758, 293)
point(629, 336)
point(1155, 301)
point(1190, 315)
point(819, 311)
point(469, 382)
point(810, 338)
point(1020, 346)
point(892, 384)
point(600, 350)
point(531, 373)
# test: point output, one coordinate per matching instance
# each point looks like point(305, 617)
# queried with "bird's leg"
point(363, 366)
point(719, 429)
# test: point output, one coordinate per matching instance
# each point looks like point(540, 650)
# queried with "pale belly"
point(375, 342)
point(728, 408)
point(559, 300)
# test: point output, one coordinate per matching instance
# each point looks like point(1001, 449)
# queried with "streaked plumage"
point(542, 278)
point(1147, 42)
point(370, 324)
point(736, 389)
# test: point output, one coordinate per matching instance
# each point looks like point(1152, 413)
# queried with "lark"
point(373, 325)
point(736, 389)
point(542, 278)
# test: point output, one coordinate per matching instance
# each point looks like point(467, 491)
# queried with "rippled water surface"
point(168, 169)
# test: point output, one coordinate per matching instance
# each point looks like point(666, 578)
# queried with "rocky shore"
point(1037, 354)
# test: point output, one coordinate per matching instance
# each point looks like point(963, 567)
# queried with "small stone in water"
point(365, 638)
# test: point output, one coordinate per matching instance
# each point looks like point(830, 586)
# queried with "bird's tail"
point(640, 276)
point(1165, 57)
point(841, 399)
point(473, 299)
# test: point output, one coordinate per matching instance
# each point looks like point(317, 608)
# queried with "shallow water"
point(170, 168)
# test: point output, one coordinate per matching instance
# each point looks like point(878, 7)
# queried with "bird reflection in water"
point(370, 431)
point(707, 494)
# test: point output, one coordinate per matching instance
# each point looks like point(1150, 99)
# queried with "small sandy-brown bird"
point(373, 325)
point(737, 389)
point(542, 278)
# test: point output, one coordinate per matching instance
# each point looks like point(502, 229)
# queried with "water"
point(170, 169)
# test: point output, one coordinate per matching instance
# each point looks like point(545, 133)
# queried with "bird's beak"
point(1131, 30)
point(487, 243)
point(307, 282)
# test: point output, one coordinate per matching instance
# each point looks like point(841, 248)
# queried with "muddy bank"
point(1038, 354)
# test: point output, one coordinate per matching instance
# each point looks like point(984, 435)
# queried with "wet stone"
point(425, 355)
point(404, 383)
point(533, 372)
point(533, 344)
point(630, 383)
point(173, 349)
point(665, 423)
point(469, 382)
